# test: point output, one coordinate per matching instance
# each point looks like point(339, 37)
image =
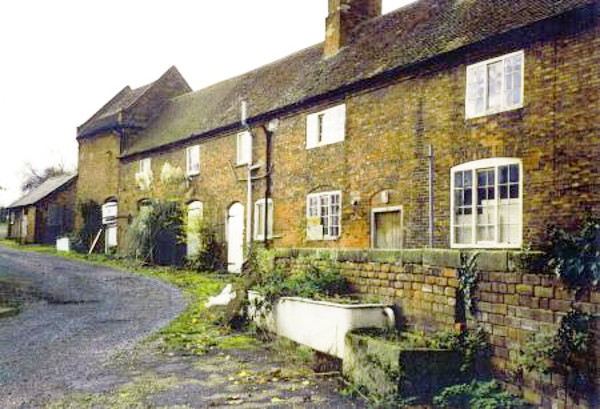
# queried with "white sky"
point(61, 60)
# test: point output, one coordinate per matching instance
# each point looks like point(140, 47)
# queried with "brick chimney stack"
point(344, 16)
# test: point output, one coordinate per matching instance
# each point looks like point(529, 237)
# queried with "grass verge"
point(195, 330)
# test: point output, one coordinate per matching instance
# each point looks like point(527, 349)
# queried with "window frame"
point(387, 209)
point(258, 235)
point(145, 166)
point(474, 166)
point(330, 194)
point(471, 113)
point(317, 123)
point(192, 157)
point(243, 148)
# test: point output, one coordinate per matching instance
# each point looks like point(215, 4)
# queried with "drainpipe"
point(269, 130)
point(249, 182)
point(431, 229)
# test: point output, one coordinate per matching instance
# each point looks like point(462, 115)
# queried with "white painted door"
point(235, 238)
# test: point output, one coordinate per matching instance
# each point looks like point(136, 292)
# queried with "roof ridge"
point(172, 69)
point(249, 72)
point(96, 115)
point(36, 194)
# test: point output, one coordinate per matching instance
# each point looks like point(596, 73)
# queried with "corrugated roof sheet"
point(48, 187)
point(404, 37)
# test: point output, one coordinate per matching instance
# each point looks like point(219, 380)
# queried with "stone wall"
point(513, 303)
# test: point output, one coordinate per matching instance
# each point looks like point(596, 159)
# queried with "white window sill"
point(261, 238)
point(499, 246)
point(494, 112)
point(322, 144)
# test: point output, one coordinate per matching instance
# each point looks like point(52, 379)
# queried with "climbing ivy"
point(574, 257)
point(468, 278)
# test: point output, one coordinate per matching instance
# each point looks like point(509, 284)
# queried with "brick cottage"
point(445, 125)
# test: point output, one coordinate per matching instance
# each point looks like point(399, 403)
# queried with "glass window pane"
point(503, 174)
point(468, 178)
point(458, 179)
point(481, 178)
point(468, 197)
point(514, 191)
point(495, 85)
point(514, 173)
point(503, 192)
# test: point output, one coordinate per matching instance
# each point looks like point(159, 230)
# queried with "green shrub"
point(574, 257)
point(91, 215)
point(154, 230)
point(211, 253)
point(477, 395)
point(320, 279)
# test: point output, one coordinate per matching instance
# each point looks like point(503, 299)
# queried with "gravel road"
point(74, 319)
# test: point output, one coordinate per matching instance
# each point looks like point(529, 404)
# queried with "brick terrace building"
point(451, 124)
point(434, 125)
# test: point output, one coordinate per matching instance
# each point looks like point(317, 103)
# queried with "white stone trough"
point(321, 325)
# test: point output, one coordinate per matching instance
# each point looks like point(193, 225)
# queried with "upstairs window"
point(487, 204)
point(259, 219)
point(495, 85)
point(144, 167)
point(324, 215)
point(326, 127)
point(244, 148)
point(192, 160)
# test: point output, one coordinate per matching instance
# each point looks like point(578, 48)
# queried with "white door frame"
point(235, 238)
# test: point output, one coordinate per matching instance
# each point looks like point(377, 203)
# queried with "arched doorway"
point(194, 219)
point(235, 238)
point(109, 220)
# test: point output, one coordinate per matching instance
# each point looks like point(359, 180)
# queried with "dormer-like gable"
point(134, 108)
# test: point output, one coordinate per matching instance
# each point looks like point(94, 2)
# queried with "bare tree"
point(33, 178)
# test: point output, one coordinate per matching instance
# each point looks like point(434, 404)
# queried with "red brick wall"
point(388, 130)
point(511, 305)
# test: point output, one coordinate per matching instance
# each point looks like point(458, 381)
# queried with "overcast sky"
point(61, 60)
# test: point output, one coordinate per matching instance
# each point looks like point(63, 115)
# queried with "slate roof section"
point(407, 36)
point(129, 108)
point(44, 190)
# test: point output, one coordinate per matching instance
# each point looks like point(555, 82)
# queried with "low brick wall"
point(512, 303)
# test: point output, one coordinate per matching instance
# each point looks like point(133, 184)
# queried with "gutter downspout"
point(431, 198)
point(249, 181)
point(268, 141)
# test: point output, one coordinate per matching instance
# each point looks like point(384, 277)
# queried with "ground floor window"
point(386, 227)
point(487, 203)
point(323, 212)
point(259, 219)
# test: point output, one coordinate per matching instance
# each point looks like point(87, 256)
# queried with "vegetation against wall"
point(477, 395)
point(91, 216)
point(318, 279)
point(161, 228)
point(574, 257)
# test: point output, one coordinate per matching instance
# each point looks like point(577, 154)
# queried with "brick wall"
point(512, 304)
point(388, 130)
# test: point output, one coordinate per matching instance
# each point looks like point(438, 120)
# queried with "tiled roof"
point(398, 39)
point(43, 190)
point(130, 106)
point(109, 112)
